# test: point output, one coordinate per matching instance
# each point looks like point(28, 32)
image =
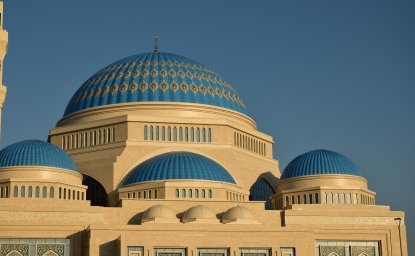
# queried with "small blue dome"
point(35, 153)
point(320, 162)
point(155, 77)
point(178, 166)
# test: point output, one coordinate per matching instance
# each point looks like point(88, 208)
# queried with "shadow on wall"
point(95, 192)
point(262, 189)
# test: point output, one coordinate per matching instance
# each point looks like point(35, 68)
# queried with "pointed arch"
point(14, 253)
point(50, 253)
point(95, 192)
point(261, 190)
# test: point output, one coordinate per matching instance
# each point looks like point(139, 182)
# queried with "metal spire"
point(156, 43)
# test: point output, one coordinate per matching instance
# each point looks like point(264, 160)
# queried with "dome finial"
point(156, 43)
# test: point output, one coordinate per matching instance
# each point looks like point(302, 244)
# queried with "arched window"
point(310, 199)
point(60, 193)
point(145, 194)
point(157, 133)
point(292, 200)
point(139, 195)
point(82, 195)
point(287, 201)
point(198, 134)
point(177, 193)
point(44, 192)
point(30, 191)
point(128, 195)
point(186, 134)
point(203, 134)
point(169, 133)
point(155, 194)
point(298, 199)
point(69, 194)
point(209, 135)
point(6, 191)
point(325, 197)
point(52, 192)
point(331, 198)
point(203, 193)
point(227, 195)
point(64, 193)
point(338, 198)
point(149, 194)
point(355, 198)
point(175, 133)
point(77, 195)
point(163, 133)
point(180, 133)
point(16, 191)
point(22, 191)
point(183, 193)
point(73, 194)
point(210, 193)
point(305, 199)
point(37, 192)
point(192, 134)
point(316, 198)
point(151, 132)
point(134, 195)
point(190, 193)
point(197, 193)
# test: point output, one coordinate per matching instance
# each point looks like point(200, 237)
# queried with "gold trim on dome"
point(144, 73)
point(197, 75)
point(118, 75)
point(172, 73)
point(143, 86)
point(189, 74)
point(193, 88)
point(136, 73)
point(164, 87)
point(84, 95)
point(202, 89)
point(114, 88)
point(112, 76)
point(97, 91)
point(146, 63)
point(154, 72)
point(184, 87)
point(154, 63)
point(127, 74)
point(123, 87)
point(177, 64)
point(169, 63)
point(125, 65)
point(106, 90)
point(154, 86)
point(163, 72)
point(180, 73)
point(218, 92)
point(211, 90)
point(174, 87)
point(133, 86)
point(140, 63)
point(90, 93)
point(162, 63)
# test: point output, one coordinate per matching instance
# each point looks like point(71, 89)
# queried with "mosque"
point(155, 155)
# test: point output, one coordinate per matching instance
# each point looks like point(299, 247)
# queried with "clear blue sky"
point(339, 74)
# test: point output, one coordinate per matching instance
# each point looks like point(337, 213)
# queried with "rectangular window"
point(213, 252)
point(169, 252)
point(135, 250)
point(254, 252)
point(287, 251)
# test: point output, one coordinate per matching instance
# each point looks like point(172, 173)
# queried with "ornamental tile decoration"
point(155, 74)
point(328, 250)
point(23, 249)
point(363, 251)
point(58, 249)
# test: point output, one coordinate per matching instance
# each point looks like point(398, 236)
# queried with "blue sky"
point(338, 75)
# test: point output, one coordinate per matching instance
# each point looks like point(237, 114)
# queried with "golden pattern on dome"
point(211, 90)
point(189, 74)
point(97, 91)
point(174, 87)
point(133, 86)
point(114, 88)
point(162, 63)
point(144, 73)
point(172, 73)
point(154, 63)
point(164, 87)
point(202, 89)
point(106, 90)
point(154, 86)
point(112, 76)
point(143, 86)
point(127, 74)
point(184, 87)
point(180, 73)
point(163, 73)
point(193, 88)
point(218, 92)
point(146, 63)
point(123, 87)
point(136, 73)
point(153, 72)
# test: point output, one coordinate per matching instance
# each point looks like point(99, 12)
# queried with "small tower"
point(4, 39)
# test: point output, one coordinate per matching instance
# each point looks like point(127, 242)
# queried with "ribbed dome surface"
point(155, 77)
point(178, 166)
point(320, 162)
point(35, 153)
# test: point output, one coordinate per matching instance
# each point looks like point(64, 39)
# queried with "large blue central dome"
point(155, 77)
point(178, 166)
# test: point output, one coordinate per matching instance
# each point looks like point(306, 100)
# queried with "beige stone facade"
point(47, 210)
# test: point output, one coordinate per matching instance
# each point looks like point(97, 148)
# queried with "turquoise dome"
point(155, 77)
point(178, 166)
point(35, 153)
point(320, 162)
